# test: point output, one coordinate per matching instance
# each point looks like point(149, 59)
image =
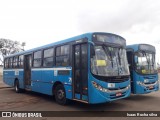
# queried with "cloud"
point(40, 22)
point(119, 16)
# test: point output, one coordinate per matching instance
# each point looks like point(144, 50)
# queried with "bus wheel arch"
point(59, 93)
point(54, 87)
point(16, 86)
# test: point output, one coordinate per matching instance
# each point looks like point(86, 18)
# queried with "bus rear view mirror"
point(92, 51)
point(92, 48)
point(135, 59)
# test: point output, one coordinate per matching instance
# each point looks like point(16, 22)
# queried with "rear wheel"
point(60, 95)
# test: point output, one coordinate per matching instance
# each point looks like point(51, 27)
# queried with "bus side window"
point(20, 61)
point(10, 62)
point(15, 61)
point(37, 59)
point(48, 57)
point(6, 63)
point(62, 55)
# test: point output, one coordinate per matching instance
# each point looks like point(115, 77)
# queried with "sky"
point(39, 22)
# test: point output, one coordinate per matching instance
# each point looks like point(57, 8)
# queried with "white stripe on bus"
point(64, 68)
point(36, 69)
point(13, 70)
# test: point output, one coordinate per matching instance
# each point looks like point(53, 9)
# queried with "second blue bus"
point(144, 75)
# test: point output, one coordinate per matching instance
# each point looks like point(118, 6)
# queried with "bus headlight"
point(105, 90)
point(100, 88)
point(97, 86)
point(128, 87)
point(139, 83)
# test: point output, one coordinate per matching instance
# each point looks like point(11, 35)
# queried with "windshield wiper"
point(119, 58)
point(108, 53)
point(153, 61)
point(148, 61)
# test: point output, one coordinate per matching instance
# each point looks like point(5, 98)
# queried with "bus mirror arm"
point(136, 59)
point(92, 43)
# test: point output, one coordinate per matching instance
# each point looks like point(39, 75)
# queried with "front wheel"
point(60, 95)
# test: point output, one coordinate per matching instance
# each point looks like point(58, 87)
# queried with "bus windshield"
point(109, 61)
point(145, 62)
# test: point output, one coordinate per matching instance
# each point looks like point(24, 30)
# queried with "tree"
point(8, 47)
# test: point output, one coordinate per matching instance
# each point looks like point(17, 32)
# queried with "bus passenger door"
point(130, 57)
point(27, 70)
point(80, 72)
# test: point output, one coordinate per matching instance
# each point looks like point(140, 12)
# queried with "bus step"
point(28, 88)
point(80, 100)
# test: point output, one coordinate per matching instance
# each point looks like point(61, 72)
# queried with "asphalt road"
point(30, 101)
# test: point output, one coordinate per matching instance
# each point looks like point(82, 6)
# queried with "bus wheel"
point(60, 95)
point(16, 87)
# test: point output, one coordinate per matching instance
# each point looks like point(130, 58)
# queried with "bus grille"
point(117, 80)
point(116, 88)
point(150, 83)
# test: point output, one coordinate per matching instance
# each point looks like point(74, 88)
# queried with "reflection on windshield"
point(145, 62)
point(109, 61)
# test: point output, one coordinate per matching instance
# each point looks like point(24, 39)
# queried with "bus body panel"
point(42, 87)
point(44, 79)
point(97, 96)
point(9, 77)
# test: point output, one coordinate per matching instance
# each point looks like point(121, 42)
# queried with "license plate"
point(118, 94)
point(150, 87)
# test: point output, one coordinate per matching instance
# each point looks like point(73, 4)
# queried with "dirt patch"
point(18, 103)
point(13, 102)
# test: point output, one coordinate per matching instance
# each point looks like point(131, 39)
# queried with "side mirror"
point(135, 59)
point(92, 48)
point(92, 51)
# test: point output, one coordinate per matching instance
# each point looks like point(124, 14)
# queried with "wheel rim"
point(16, 87)
point(60, 94)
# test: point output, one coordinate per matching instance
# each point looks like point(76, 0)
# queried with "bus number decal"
point(16, 72)
point(55, 72)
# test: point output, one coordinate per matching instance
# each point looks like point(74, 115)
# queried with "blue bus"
point(142, 65)
point(90, 68)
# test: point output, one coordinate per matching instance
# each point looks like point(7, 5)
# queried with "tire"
point(16, 87)
point(60, 95)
